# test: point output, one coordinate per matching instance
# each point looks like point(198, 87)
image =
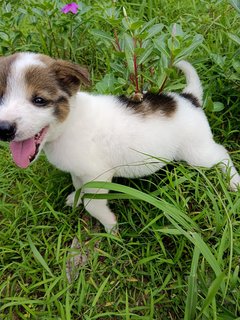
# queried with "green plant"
point(142, 53)
point(34, 29)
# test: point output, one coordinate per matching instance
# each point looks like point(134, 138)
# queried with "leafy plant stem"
point(118, 47)
point(163, 85)
point(54, 39)
point(135, 67)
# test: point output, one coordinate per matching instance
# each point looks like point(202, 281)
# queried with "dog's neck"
point(57, 128)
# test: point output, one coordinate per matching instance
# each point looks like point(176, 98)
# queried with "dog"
point(97, 136)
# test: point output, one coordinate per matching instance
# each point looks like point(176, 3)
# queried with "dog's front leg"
point(98, 208)
point(77, 183)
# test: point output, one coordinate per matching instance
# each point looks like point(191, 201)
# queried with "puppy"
point(101, 137)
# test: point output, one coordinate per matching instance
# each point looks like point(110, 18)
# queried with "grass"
point(177, 255)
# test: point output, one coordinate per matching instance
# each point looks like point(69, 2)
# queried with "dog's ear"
point(70, 75)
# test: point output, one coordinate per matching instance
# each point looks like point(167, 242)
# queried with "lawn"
point(177, 252)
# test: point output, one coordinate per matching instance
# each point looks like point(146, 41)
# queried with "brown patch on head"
point(41, 82)
point(46, 59)
point(61, 108)
point(151, 104)
point(68, 74)
point(5, 66)
point(56, 81)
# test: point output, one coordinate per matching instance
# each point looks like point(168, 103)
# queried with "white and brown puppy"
point(100, 137)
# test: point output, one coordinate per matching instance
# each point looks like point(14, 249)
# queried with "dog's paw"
point(112, 229)
point(235, 183)
point(71, 199)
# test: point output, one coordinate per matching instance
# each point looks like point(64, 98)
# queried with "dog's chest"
point(66, 155)
point(75, 153)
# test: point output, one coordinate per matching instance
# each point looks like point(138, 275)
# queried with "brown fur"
point(55, 82)
point(5, 65)
point(151, 104)
point(42, 82)
point(68, 74)
point(61, 108)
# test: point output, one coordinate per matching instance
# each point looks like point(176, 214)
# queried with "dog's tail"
point(194, 86)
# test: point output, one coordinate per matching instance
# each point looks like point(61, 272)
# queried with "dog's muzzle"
point(7, 130)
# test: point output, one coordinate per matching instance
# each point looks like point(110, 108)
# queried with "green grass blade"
point(100, 291)
point(18, 301)
point(38, 256)
point(175, 216)
point(127, 307)
point(191, 303)
point(212, 291)
point(196, 239)
point(175, 213)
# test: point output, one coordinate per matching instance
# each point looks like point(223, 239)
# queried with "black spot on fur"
point(151, 103)
point(191, 98)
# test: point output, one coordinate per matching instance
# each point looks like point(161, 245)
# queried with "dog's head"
point(35, 94)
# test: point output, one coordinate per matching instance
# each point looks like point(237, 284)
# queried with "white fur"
point(193, 82)
point(17, 107)
point(101, 138)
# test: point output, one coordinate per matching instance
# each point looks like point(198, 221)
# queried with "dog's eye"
point(39, 101)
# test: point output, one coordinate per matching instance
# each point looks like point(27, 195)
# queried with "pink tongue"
point(22, 151)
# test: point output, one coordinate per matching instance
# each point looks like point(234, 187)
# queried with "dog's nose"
point(7, 130)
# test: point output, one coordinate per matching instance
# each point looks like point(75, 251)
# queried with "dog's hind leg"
point(210, 154)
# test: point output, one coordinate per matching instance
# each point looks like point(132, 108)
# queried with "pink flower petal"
point(70, 7)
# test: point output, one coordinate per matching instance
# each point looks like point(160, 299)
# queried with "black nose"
point(7, 130)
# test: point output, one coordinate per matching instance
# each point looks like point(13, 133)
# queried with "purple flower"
point(70, 7)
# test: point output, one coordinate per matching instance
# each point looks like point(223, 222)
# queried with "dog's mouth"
point(25, 151)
